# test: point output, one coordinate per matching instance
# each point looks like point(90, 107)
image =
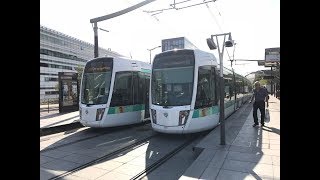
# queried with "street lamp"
point(213, 46)
point(234, 48)
point(96, 47)
point(110, 16)
point(151, 50)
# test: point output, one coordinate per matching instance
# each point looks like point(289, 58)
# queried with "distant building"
point(62, 53)
point(176, 43)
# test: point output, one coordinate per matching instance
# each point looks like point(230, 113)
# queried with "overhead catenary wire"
point(215, 19)
point(176, 8)
point(156, 12)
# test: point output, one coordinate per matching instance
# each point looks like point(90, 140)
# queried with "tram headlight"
point(99, 114)
point(183, 117)
point(154, 116)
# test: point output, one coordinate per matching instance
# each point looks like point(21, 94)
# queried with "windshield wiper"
point(165, 104)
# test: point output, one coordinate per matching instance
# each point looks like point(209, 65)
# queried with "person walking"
point(260, 96)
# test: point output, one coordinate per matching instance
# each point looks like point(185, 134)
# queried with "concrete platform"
point(249, 153)
point(54, 122)
point(57, 119)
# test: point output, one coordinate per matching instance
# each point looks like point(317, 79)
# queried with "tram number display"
point(98, 66)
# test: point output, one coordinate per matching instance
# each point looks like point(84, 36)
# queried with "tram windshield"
point(172, 78)
point(96, 81)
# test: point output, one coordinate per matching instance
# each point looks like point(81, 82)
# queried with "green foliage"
point(56, 87)
point(79, 70)
point(264, 82)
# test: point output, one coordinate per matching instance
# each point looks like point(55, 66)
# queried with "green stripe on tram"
point(145, 70)
point(202, 112)
point(124, 109)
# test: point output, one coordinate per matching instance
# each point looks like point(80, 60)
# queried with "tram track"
point(175, 151)
point(60, 128)
point(111, 130)
point(164, 159)
point(148, 169)
point(109, 155)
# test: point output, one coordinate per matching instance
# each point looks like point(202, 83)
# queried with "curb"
point(60, 128)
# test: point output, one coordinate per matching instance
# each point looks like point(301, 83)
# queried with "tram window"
point(232, 90)
point(238, 85)
point(146, 88)
point(213, 86)
point(137, 87)
point(228, 88)
point(122, 92)
point(141, 86)
point(237, 88)
point(205, 89)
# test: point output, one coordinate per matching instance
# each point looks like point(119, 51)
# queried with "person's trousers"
point(261, 106)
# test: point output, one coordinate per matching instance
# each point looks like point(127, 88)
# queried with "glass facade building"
point(62, 53)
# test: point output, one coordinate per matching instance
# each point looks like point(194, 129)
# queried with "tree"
point(258, 77)
point(264, 82)
point(79, 70)
point(56, 87)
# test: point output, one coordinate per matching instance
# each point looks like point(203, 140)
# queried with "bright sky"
point(254, 25)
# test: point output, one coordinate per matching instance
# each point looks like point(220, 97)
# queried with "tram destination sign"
point(272, 55)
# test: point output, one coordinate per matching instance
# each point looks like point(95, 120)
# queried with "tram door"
point(146, 94)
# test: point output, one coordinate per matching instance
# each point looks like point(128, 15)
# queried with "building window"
point(51, 92)
point(61, 55)
point(55, 66)
point(44, 65)
point(49, 74)
point(50, 79)
point(47, 87)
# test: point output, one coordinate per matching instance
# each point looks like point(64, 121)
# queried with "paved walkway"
point(54, 118)
point(45, 106)
point(249, 153)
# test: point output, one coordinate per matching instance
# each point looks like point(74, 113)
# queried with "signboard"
point(176, 43)
point(272, 54)
point(68, 92)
